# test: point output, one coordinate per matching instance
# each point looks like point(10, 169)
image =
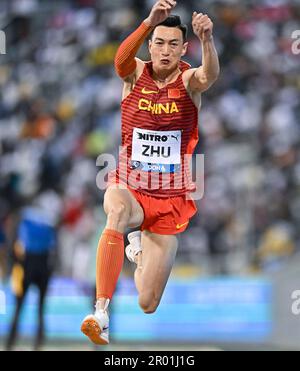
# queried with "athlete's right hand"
point(160, 12)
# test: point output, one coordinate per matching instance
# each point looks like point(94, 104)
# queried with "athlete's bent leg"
point(122, 211)
point(155, 264)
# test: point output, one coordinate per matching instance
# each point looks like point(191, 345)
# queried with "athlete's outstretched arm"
point(125, 61)
point(204, 76)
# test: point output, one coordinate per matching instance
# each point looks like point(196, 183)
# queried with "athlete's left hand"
point(202, 26)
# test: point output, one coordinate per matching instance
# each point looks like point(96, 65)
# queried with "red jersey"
point(159, 127)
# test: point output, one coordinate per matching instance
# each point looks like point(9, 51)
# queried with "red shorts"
point(166, 216)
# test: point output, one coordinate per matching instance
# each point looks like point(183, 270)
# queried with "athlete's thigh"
point(159, 253)
point(115, 195)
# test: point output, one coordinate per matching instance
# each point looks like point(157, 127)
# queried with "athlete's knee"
point(148, 303)
point(118, 212)
point(118, 217)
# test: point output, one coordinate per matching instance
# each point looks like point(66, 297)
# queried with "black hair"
point(175, 21)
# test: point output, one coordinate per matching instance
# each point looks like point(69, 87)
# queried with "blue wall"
point(191, 310)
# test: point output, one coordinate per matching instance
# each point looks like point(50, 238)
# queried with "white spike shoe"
point(135, 246)
point(96, 327)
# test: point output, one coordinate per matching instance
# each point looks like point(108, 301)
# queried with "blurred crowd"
point(60, 109)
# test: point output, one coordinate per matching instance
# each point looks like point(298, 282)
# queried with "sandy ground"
point(111, 348)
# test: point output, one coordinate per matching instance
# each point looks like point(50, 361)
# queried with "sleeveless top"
point(159, 135)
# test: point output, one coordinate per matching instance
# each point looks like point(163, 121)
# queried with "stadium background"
point(238, 263)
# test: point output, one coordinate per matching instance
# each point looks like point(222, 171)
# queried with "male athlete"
point(160, 107)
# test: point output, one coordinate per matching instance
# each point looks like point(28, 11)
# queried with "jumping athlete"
point(160, 110)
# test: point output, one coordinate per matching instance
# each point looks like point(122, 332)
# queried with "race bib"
point(157, 151)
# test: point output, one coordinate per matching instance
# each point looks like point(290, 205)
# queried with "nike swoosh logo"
point(144, 91)
point(179, 226)
point(112, 243)
point(105, 328)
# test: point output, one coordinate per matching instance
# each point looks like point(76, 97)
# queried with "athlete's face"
point(166, 48)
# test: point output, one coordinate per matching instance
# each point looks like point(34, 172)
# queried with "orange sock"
point(110, 259)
